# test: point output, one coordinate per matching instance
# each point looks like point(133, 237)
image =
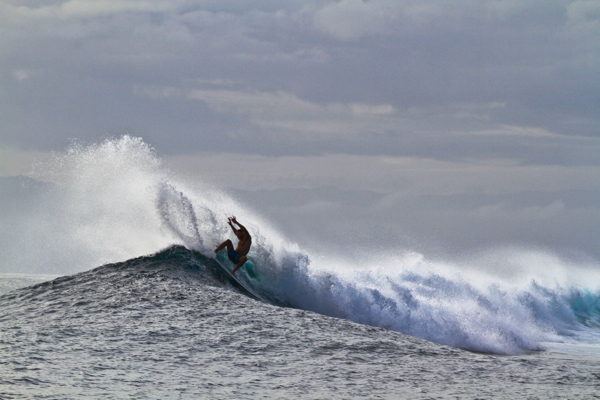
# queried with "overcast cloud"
point(495, 101)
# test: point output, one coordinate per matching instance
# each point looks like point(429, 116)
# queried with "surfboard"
point(243, 277)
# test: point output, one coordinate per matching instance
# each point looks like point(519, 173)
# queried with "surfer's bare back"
point(237, 256)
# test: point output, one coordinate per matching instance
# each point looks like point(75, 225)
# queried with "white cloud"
point(508, 130)
point(18, 162)
point(367, 109)
point(283, 110)
point(544, 212)
point(352, 19)
point(531, 213)
point(400, 175)
point(95, 8)
point(24, 74)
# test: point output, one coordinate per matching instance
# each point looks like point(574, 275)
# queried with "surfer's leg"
point(243, 260)
point(227, 244)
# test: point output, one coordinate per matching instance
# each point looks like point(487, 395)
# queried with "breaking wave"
point(117, 201)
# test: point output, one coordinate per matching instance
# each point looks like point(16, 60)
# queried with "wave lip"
point(448, 311)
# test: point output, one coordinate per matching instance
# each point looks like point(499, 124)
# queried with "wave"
point(429, 306)
point(116, 201)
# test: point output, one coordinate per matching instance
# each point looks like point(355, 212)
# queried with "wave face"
point(116, 201)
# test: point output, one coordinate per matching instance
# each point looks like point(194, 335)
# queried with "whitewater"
point(133, 304)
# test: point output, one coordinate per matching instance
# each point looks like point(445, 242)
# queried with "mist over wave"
point(116, 200)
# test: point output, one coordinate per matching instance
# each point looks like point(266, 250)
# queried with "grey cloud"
point(74, 69)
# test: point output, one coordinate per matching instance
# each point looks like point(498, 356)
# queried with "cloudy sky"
point(433, 124)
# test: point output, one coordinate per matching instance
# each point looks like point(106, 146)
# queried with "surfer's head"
point(240, 234)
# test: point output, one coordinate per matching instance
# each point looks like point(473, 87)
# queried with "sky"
point(447, 127)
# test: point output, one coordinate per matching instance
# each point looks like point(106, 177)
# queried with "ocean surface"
point(119, 295)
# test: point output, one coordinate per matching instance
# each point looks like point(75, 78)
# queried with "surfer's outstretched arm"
point(231, 225)
point(242, 227)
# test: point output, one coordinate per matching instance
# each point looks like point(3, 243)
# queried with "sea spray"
point(99, 207)
point(116, 200)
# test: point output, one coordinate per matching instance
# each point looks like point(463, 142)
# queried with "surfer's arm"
point(231, 225)
point(242, 227)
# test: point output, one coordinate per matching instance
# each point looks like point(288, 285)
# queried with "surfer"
point(237, 256)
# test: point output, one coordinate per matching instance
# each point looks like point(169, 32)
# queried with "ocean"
point(118, 295)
